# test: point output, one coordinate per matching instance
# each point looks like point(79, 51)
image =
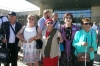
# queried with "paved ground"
point(96, 60)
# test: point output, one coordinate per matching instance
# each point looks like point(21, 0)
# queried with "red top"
point(47, 34)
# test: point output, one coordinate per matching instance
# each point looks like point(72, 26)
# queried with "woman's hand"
point(4, 40)
point(31, 39)
point(24, 41)
point(60, 37)
point(84, 44)
point(91, 49)
point(21, 36)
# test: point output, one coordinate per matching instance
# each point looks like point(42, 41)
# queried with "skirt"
point(47, 61)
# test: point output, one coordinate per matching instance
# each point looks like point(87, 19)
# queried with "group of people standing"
point(52, 34)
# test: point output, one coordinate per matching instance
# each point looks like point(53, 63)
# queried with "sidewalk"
point(96, 60)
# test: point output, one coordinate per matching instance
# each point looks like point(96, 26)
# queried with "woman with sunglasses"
point(50, 47)
point(28, 34)
point(68, 30)
point(85, 42)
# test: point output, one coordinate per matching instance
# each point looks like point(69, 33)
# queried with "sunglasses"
point(68, 18)
point(49, 23)
point(87, 23)
point(31, 19)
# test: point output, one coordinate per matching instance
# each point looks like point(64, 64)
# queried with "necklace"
point(68, 32)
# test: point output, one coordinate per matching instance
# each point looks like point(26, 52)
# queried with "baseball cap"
point(12, 13)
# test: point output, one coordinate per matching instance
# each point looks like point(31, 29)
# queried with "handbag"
point(61, 46)
point(20, 43)
point(4, 55)
point(39, 42)
point(81, 57)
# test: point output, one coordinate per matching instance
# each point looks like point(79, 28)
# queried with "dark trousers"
point(13, 54)
point(83, 63)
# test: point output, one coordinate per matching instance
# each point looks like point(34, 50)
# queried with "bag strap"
point(12, 29)
point(55, 24)
point(37, 29)
point(91, 39)
point(24, 28)
point(49, 42)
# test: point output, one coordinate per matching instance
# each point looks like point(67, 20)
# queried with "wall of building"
point(95, 14)
point(5, 12)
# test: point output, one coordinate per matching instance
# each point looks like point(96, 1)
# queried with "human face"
point(86, 26)
point(68, 19)
point(48, 15)
point(31, 20)
point(12, 18)
point(49, 24)
point(55, 17)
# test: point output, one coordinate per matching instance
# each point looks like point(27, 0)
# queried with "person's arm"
point(94, 43)
point(2, 32)
point(60, 37)
point(76, 42)
point(20, 33)
point(39, 34)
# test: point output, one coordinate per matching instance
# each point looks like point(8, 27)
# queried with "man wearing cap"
point(10, 29)
point(41, 22)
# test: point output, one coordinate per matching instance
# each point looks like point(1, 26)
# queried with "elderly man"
point(10, 29)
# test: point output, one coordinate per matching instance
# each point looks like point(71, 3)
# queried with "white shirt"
point(57, 25)
point(12, 35)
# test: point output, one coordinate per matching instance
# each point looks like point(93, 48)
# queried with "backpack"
point(1, 18)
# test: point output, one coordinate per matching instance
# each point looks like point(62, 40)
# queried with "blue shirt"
point(82, 36)
point(57, 25)
point(41, 23)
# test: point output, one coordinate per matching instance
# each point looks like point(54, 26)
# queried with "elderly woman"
point(50, 47)
point(30, 53)
point(68, 31)
point(85, 44)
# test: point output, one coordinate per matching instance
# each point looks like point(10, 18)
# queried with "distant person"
point(94, 26)
point(96, 29)
point(56, 23)
point(41, 22)
point(3, 19)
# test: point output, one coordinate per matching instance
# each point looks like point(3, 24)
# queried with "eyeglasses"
point(68, 18)
point(49, 23)
point(31, 19)
point(87, 23)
